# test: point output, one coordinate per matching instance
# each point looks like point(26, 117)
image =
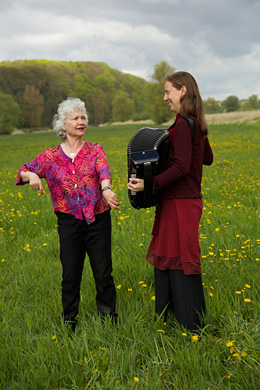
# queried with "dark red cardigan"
point(182, 177)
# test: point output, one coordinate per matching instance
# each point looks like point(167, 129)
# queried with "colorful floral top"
point(74, 184)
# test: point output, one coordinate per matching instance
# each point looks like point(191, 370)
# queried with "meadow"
point(38, 352)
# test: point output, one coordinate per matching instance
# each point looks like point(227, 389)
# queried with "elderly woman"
point(79, 180)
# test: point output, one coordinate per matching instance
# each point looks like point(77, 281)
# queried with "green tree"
point(100, 106)
point(157, 108)
point(253, 103)
point(9, 113)
point(231, 103)
point(122, 107)
point(211, 106)
point(34, 101)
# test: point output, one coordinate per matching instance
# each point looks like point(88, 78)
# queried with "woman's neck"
point(71, 146)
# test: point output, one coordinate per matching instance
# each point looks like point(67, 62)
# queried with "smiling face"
point(173, 96)
point(75, 124)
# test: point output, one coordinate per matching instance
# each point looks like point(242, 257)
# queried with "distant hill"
point(38, 86)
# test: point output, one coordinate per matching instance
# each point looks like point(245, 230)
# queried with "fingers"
point(36, 183)
point(111, 199)
point(135, 184)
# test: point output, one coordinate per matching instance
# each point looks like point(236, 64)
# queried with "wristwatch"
point(106, 188)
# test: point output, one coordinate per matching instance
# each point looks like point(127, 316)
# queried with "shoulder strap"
point(191, 125)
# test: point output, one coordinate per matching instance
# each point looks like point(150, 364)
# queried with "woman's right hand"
point(34, 181)
point(136, 184)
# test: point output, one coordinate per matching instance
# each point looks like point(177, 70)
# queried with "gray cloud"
point(217, 41)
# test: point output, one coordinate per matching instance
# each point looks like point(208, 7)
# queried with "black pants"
point(183, 294)
point(76, 239)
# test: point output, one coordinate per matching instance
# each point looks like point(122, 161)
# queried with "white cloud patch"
point(217, 41)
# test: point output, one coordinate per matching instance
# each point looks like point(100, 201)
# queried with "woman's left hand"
point(111, 199)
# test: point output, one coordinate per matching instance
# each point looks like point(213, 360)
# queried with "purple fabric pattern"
point(74, 184)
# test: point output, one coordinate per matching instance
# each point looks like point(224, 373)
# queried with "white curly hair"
point(66, 108)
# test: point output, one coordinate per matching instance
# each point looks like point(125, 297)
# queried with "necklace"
point(73, 154)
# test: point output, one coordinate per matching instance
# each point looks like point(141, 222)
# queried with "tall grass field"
point(37, 350)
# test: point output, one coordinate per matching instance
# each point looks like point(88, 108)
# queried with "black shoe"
point(71, 324)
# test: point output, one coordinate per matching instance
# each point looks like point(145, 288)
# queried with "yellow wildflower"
point(230, 343)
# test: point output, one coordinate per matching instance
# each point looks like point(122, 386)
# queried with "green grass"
point(38, 352)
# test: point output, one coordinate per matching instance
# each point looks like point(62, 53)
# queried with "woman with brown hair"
point(175, 250)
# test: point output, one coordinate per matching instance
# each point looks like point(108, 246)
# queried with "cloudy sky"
point(218, 41)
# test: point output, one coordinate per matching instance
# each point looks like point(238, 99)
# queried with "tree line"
point(30, 91)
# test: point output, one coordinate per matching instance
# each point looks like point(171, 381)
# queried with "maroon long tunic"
point(175, 242)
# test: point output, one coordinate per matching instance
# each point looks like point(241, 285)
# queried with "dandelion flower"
point(238, 292)
point(153, 298)
point(243, 353)
point(248, 286)
point(129, 289)
point(247, 300)
point(119, 286)
point(184, 334)
point(230, 343)
point(136, 379)
point(53, 338)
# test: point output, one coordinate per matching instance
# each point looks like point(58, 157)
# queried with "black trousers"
point(183, 294)
point(76, 239)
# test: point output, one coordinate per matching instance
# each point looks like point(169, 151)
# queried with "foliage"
point(34, 104)
point(158, 109)
point(9, 113)
point(211, 106)
point(253, 103)
point(231, 103)
point(40, 353)
point(38, 86)
point(122, 107)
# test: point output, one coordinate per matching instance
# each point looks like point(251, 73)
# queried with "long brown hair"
point(191, 101)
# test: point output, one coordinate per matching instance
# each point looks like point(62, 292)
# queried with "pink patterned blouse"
point(74, 184)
